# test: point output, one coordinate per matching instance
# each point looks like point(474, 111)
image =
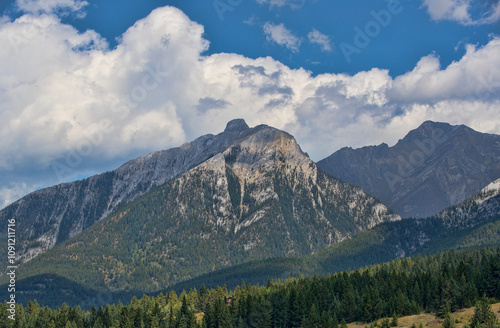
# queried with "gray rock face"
point(49, 216)
point(475, 210)
point(435, 166)
point(264, 184)
point(260, 198)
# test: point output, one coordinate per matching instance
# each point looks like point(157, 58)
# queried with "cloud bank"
point(78, 104)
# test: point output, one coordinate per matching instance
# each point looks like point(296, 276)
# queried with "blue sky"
point(235, 26)
point(87, 85)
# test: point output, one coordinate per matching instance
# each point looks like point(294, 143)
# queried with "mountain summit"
point(236, 125)
point(262, 197)
point(433, 167)
point(52, 215)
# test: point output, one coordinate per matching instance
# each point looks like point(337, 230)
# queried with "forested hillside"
point(436, 283)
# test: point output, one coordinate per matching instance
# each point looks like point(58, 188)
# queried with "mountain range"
point(249, 203)
point(433, 167)
point(262, 197)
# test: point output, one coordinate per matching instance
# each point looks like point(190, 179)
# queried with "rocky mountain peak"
point(427, 130)
point(64, 211)
point(238, 124)
point(433, 167)
point(266, 147)
point(245, 194)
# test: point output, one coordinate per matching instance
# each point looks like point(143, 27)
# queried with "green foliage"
point(189, 227)
point(400, 287)
point(448, 321)
point(483, 316)
point(394, 321)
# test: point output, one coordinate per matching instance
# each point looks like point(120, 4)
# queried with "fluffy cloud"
point(282, 36)
point(78, 107)
point(460, 11)
point(320, 39)
point(475, 77)
point(294, 4)
point(50, 6)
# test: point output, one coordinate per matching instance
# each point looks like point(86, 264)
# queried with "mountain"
point(433, 167)
point(472, 224)
point(260, 198)
point(49, 216)
point(477, 226)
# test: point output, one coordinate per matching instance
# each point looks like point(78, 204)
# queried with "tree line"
point(440, 283)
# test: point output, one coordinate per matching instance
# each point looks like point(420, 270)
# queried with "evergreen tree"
point(223, 316)
point(202, 298)
point(186, 318)
point(483, 316)
point(329, 322)
point(448, 321)
point(385, 323)
point(209, 317)
point(125, 321)
point(294, 319)
point(348, 303)
point(394, 322)
point(313, 319)
point(335, 321)
point(171, 317)
point(262, 316)
point(278, 309)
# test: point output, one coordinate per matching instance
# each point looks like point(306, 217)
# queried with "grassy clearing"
point(431, 320)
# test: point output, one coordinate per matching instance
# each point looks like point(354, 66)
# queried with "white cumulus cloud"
point(320, 39)
point(282, 36)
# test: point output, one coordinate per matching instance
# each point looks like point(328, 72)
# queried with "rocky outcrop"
point(475, 210)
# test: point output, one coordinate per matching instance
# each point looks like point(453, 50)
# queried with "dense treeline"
point(438, 283)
